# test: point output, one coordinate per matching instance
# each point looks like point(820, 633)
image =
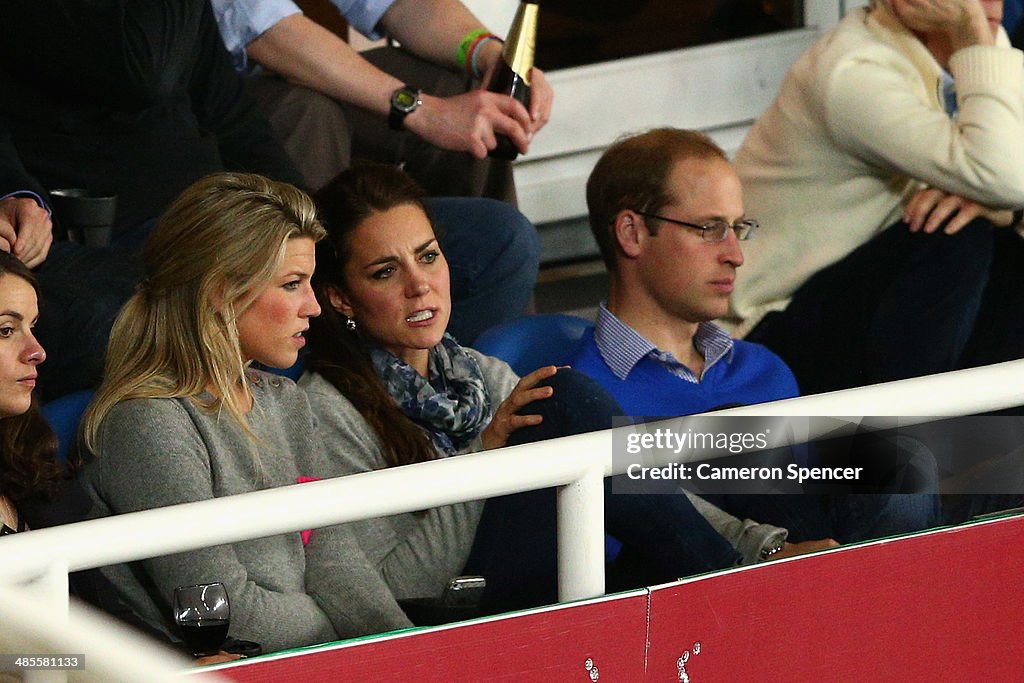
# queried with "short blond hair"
point(632, 174)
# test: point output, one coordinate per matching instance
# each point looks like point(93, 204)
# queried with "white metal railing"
point(575, 463)
point(113, 653)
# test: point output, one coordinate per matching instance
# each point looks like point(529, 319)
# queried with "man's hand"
point(931, 208)
point(470, 122)
point(25, 230)
point(541, 99)
point(541, 94)
point(963, 22)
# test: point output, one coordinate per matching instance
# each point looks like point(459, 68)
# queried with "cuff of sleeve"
point(241, 23)
point(985, 68)
point(29, 193)
point(364, 16)
point(757, 538)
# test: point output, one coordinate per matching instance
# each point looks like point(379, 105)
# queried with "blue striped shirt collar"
point(622, 347)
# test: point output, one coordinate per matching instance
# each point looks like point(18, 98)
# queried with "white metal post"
point(52, 589)
point(581, 536)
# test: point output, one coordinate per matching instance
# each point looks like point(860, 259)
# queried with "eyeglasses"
point(714, 230)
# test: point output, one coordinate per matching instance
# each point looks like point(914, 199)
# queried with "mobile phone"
point(463, 591)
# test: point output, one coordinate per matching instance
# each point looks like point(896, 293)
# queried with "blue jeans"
point(897, 494)
point(492, 250)
point(663, 536)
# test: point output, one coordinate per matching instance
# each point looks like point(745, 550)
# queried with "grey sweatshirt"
point(157, 452)
point(416, 553)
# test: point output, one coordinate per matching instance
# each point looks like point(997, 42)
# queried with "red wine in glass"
point(203, 614)
point(204, 636)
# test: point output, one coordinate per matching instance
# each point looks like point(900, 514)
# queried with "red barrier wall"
point(944, 605)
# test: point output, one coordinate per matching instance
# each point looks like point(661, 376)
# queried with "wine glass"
point(202, 613)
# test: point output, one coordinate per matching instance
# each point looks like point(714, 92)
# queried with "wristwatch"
point(404, 101)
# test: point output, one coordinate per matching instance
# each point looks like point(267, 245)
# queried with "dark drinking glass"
point(203, 614)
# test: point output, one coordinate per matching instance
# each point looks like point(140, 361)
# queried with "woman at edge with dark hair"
point(380, 350)
point(35, 492)
point(29, 472)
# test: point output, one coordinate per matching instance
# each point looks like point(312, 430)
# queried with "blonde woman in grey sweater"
point(181, 417)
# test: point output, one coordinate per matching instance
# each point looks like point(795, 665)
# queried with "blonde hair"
point(208, 257)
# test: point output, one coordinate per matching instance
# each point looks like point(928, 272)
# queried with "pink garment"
point(308, 533)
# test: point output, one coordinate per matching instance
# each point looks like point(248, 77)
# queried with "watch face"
point(404, 99)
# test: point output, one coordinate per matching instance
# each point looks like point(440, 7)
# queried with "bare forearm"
point(308, 54)
point(434, 29)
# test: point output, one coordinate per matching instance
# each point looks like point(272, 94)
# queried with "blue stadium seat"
point(64, 414)
point(534, 341)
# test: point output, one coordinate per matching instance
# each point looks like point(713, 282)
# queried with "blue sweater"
point(750, 374)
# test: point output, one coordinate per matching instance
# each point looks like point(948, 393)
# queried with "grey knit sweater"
point(157, 452)
point(416, 553)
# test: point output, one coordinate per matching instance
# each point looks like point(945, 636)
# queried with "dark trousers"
point(904, 305)
point(896, 492)
point(322, 135)
point(663, 536)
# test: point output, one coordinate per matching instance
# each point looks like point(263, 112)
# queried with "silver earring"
point(350, 324)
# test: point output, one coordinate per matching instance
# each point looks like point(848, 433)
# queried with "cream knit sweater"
point(856, 129)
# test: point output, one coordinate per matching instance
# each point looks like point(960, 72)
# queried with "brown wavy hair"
point(28, 446)
point(336, 353)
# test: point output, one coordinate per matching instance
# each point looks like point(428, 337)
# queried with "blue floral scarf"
point(452, 403)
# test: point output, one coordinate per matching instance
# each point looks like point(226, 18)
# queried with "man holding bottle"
point(328, 102)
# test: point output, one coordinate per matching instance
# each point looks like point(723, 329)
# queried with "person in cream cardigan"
point(885, 175)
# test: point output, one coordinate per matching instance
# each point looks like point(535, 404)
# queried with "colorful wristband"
point(474, 69)
point(473, 48)
point(467, 44)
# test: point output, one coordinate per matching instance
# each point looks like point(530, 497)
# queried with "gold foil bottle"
point(512, 74)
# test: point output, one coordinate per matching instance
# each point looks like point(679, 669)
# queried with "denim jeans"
point(492, 250)
point(663, 536)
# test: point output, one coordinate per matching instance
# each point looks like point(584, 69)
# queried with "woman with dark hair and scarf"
point(385, 374)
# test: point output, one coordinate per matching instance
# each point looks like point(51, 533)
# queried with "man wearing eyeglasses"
point(666, 209)
point(667, 212)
